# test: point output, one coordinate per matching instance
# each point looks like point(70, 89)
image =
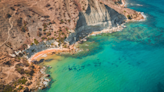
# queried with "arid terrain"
point(24, 23)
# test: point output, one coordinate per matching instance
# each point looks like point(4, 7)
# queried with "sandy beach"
point(48, 51)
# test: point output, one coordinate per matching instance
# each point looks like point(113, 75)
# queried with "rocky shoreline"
point(44, 82)
point(73, 49)
point(93, 17)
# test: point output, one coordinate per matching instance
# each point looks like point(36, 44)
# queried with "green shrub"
point(15, 91)
point(20, 70)
point(17, 66)
point(8, 16)
point(52, 38)
point(32, 44)
point(83, 8)
point(44, 25)
point(66, 29)
point(61, 21)
point(20, 87)
point(18, 58)
point(29, 72)
point(33, 50)
point(129, 17)
point(49, 39)
point(23, 29)
point(48, 33)
point(7, 88)
point(44, 30)
point(43, 38)
point(19, 22)
point(49, 23)
point(12, 8)
point(22, 81)
point(36, 41)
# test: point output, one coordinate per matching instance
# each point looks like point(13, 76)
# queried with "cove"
point(130, 60)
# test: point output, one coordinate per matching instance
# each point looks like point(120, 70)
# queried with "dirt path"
point(11, 26)
point(8, 34)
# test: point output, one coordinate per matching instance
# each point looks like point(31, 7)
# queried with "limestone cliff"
point(96, 17)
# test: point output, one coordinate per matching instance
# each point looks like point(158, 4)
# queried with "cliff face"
point(96, 17)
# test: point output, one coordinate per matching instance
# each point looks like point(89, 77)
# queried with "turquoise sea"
point(131, 60)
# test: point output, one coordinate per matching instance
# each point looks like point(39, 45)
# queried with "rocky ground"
point(25, 24)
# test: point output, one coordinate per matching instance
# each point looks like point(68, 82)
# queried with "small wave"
point(142, 13)
point(135, 4)
point(139, 5)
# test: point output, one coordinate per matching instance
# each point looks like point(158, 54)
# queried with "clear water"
point(128, 61)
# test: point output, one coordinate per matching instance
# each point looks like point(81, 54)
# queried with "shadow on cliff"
point(84, 28)
point(87, 24)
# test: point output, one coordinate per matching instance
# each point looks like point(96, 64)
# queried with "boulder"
point(47, 75)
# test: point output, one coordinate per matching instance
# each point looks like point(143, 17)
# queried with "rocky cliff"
point(96, 17)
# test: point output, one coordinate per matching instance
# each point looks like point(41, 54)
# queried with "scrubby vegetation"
point(44, 25)
point(32, 44)
point(19, 22)
point(29, 72)
point(20, 70)
point(8, 16)
point(48, 33)
point(36, 41)
point(48, 5)
point(129, 17)
point(24, 29)
point(20, 87)
point(61, 21)
point(39, 33)
point(25, 63)
point(43, 38)
point(6, 88)
point(8, 44)
point(22, 81)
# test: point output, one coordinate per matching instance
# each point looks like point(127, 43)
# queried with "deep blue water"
point(131, 60)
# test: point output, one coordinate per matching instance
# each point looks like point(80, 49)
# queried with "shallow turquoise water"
point(128, 61)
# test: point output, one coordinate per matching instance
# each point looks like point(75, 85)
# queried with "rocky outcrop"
point(96, 18)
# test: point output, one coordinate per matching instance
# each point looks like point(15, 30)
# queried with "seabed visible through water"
point(130, 60)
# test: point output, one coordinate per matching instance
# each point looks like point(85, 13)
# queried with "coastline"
point(44, 53)
point(33, 52)
point(72, 48)
point(142, 13)
point(47, 51)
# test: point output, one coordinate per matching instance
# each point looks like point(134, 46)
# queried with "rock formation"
point(96, 17)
